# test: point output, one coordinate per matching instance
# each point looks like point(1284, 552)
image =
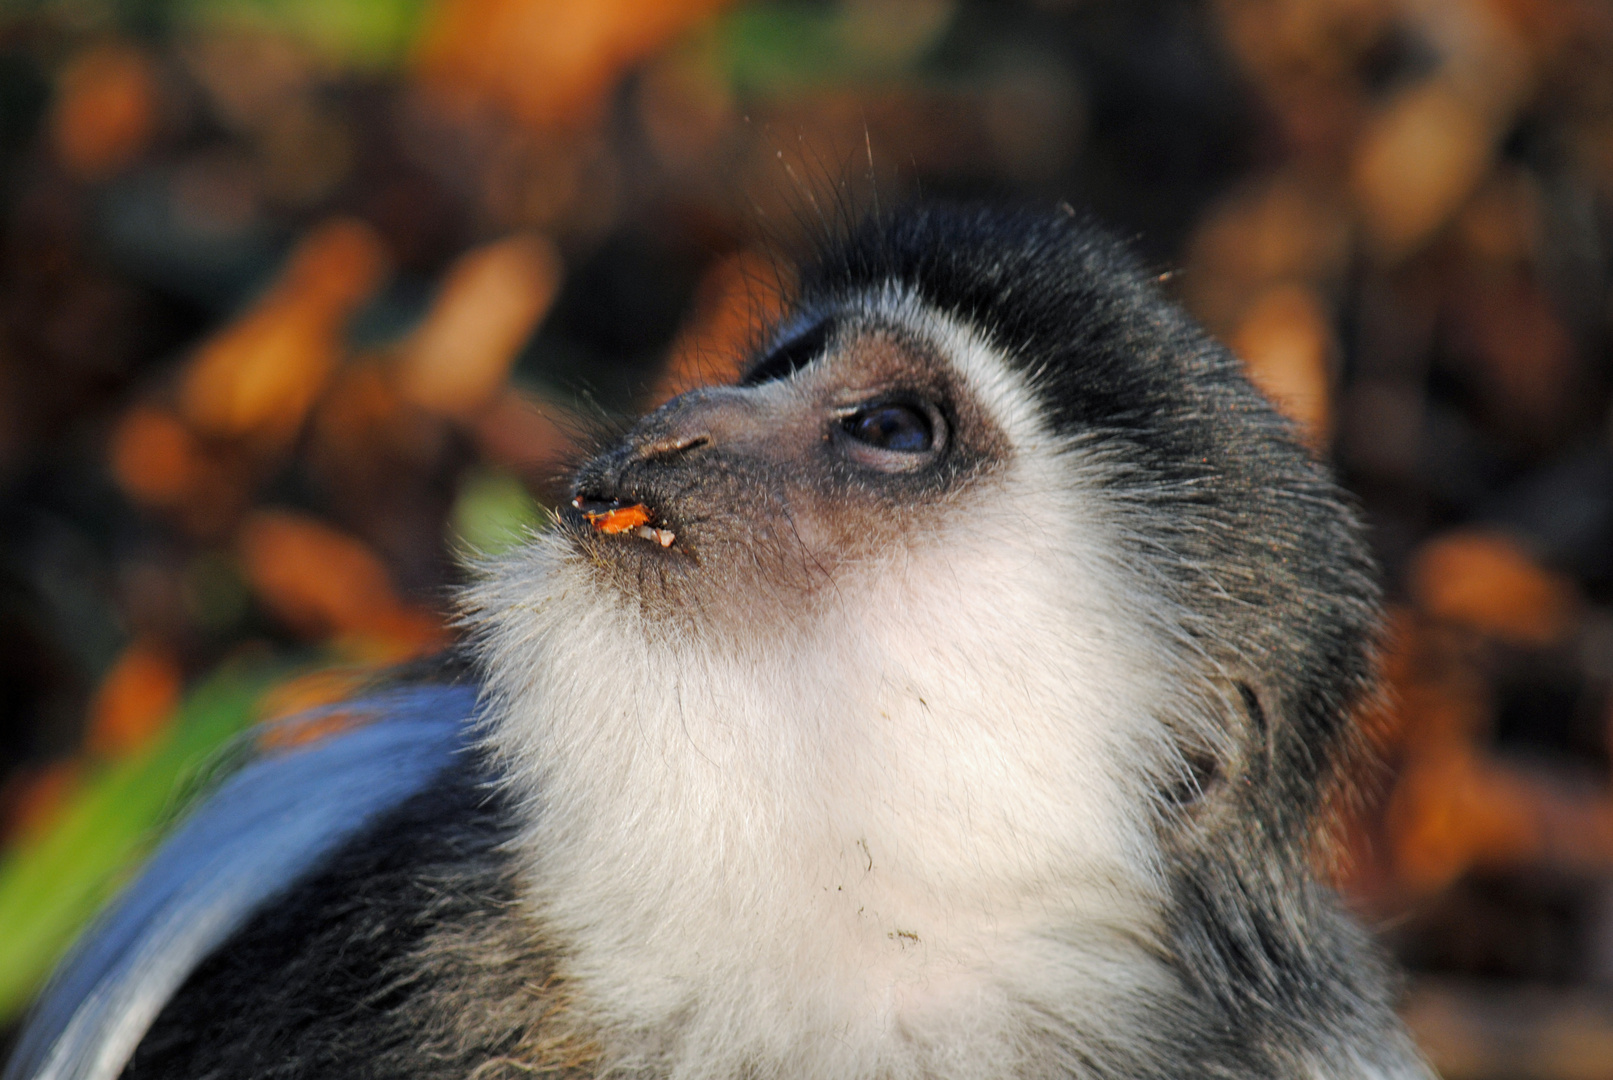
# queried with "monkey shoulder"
point(405, 954)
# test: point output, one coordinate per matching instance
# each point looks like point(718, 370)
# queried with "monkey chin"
point(718, 563)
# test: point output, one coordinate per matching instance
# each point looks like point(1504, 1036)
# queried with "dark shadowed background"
point(301, 298)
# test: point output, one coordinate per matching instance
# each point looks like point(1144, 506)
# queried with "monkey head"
point(946, 668)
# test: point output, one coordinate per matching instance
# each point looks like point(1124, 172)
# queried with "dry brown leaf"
point(1450, 812)
point(548, 62)
point(326, 583)
point(1418, 160)
point(493, 298)
point(392, 636)
point(160, 463)
point(1526, 366)
point(1462, 810)
point(1275, 230)
point(288, 735)
point(1502, 224)
point(155, 458)
point(313, 690)
point(1277, 39)
point(1481, 1028)
point(250, 76)
point(135, 700)
point(688, 113)
point(282, 710)
point(106, 108)
point(260, 375)
point(1384, 721)
point(1286, 343)
point(739, 296)
point(522, 432)
point(1488, 582)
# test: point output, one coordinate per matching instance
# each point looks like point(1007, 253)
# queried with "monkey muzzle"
point(684, 463)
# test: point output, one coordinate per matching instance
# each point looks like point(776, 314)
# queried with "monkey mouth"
point(619, 517)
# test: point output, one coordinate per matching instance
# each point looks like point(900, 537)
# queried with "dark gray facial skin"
point(773, 487)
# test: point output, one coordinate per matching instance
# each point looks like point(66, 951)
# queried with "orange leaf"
point(1286, 344)
point(316, 578)
point(260, 375)
point(324, 582)
point(311, 691)
point(1418, 160)
point(736, 299)
point(105, 109)
point(459, 358)
point(548, 62)
point(155, 457)
point(1488, 582)
point(135, 700)
point(288, 735)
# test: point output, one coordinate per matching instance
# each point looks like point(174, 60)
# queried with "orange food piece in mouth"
point(618, 519)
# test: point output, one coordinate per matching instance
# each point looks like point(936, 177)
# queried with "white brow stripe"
point(1006, 395)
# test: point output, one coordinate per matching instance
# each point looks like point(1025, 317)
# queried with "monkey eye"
point(891, 427)
point(897, 435)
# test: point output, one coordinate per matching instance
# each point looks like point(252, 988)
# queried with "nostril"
point(672, 446)
point(692, 423)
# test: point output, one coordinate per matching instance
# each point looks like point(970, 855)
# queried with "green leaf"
point(364, 33)
point(53, 884)
point(785, 48)
point(493, 513)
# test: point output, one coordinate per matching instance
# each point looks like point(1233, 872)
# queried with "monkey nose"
point(708, 417)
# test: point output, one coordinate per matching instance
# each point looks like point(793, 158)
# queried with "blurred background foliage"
point(303, 301)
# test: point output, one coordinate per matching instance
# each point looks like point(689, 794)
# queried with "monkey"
point(960, 693)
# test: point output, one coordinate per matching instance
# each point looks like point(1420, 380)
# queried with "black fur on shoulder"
point(405, 955)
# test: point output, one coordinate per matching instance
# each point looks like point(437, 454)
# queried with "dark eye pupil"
point(892, 427)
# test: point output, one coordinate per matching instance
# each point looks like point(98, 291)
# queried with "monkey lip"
point(613, 517)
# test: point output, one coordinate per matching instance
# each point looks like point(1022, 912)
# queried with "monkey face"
point(852, 433)
point(866, 532)
point(892, 679)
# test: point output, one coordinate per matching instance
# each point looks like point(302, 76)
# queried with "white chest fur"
point(907, 838)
